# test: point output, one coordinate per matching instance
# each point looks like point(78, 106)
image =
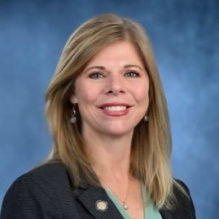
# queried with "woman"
point(108, 116)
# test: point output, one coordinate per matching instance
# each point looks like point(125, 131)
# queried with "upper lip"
point(114, 104)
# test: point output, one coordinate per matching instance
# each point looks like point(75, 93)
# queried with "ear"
point(73, 99)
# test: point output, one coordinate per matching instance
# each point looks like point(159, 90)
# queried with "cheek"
point(142, 92)
point(87, 91)
point(86, 95)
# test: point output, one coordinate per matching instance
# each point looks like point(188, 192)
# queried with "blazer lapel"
point(166, 214)
point(96, 201)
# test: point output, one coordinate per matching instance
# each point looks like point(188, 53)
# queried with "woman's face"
point(112, 91)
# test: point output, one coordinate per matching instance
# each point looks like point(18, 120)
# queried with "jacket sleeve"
point(28, 198)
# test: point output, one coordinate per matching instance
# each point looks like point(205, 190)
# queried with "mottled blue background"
point(185, 37)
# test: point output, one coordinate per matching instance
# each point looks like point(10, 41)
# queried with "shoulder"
point(182, 192)
point(183, 206)
point(49, 174)
point(41, 189)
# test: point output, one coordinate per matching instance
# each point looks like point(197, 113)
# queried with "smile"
point(115, 108)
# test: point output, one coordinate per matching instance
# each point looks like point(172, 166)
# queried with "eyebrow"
point(103, 68)
point(131, 66)
point(95, 67)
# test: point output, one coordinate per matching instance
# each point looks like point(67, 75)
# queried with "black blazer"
point(47, 193)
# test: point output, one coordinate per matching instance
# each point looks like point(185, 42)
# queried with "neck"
point(109, 155)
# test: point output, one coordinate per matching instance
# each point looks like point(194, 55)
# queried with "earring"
point(73, 118)
point(146, 118)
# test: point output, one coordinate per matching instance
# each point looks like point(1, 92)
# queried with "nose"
point(115, 85)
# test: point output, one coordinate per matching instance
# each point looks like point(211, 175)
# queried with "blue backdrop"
point(185, 37)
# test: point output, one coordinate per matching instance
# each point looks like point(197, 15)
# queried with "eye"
point(96, 75)
point(132, 74)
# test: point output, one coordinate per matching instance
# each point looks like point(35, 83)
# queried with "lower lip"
point(116, 113)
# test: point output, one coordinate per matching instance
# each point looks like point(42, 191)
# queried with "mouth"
point(115, 109)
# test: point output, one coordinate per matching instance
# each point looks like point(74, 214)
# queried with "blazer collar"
point(100, 206)
point(96, 201)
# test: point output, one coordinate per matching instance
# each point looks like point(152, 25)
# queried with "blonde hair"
point(151, 145)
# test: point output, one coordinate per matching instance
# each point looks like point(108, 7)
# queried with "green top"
point(150, 211)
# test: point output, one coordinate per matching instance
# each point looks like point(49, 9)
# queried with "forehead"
point(117, 51)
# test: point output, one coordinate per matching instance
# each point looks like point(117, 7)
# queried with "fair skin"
point(112, 96)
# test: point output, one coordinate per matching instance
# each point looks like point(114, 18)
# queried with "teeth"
point(115, 108)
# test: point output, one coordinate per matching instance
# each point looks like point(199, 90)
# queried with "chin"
point(118, 132)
